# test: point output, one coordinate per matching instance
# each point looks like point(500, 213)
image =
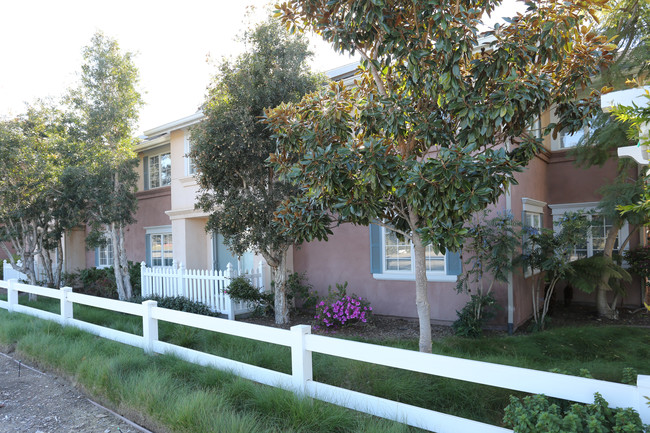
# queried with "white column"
point(301, 364)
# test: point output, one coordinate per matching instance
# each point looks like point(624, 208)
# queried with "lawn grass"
point(184, 397)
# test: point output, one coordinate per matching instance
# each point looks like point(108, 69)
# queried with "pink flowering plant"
point(339, 309)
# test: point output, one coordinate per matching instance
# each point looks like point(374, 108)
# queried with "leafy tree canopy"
point(435, 128)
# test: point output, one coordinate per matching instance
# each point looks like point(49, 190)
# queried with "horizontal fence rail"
point(302, 344)
point(210, 287)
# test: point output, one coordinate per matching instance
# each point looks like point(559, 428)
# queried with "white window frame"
point(107, 251)
point(162, 231)
point(558, 211)
point(532, 207)
point(389, 274)
point(190, 167)
point(159, 178)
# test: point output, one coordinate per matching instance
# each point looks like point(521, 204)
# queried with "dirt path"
point(37, 402)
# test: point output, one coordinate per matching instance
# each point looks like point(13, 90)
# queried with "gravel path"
point(37, 402)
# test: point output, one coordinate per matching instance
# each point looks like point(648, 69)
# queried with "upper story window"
point(157, 170)
point(160, 170)
point(570, 139)
point(190, 167)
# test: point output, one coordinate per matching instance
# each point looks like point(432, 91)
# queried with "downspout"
point(511, 290)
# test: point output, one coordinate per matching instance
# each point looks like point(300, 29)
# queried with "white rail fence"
point(303, 344)
point(206, 286)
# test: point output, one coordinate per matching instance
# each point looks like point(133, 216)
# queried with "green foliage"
point(101, 281)
point(639, 261)
point(241, 289)
point(536, 414)
point(491, 244)
point(104, 111)
point(588, 272)
point(300, 293)
point(178, 303)
point(230, 145)
point(416, 145)
point(547, 256)
point(469, 324)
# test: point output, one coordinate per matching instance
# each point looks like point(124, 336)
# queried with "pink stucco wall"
point(346, 257)
point(551, 177)
point(152, 205)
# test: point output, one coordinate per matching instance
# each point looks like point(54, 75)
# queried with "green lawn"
point(188, 398)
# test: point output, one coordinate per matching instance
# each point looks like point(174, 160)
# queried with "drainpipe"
point(511, 290)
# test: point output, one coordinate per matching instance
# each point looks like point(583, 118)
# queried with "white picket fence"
point(9, 273)
point(206, 286)
point(303, 344)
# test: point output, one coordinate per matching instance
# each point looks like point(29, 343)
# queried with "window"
point(104, 254)
point(159, 246)
point(190, 167)
point(597, 234)
point(535, 127)
point(570, 139)
point(532, 218)
point(392, 258)
point(158, 170)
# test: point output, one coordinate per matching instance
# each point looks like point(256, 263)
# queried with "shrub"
point(242, 290)
point(469, 323)
point(536, 414)
point(101, 281)
point(300, 294)
point(178, 303)
point(339, 309)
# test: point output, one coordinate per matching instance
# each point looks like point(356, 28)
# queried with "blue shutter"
point(145, 166)
point(147, 250)
point(375, 249)
point(454, 263)
point(97, 257)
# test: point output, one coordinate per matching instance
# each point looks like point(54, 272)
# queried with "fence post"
point(144, 289)
point(12, 294)
point(230, 304)
point(149, 326)
point(643, 388)
point(66, 305)
point(301, 365)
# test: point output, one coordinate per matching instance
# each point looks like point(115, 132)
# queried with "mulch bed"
point(393, 328)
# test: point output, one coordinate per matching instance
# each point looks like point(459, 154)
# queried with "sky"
point(177, 46)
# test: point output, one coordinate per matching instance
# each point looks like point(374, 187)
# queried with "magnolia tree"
point(106, 108)
point(230, 145)
point(435, 128)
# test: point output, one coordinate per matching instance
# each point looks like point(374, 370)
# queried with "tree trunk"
point(604, 308)
point(119, 256)
point(124, 263)
point(281, 305)
point(421, 293)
